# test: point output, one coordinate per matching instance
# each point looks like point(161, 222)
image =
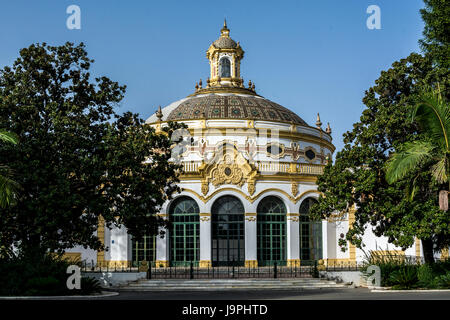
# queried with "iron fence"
point(229, 272)
point(195, 272)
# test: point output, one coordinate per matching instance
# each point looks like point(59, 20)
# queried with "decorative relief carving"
point(251, 218)
point(227, 173)
point(294, 188)
point(205, 188)
point(227, 166)
point(204, 219)
point(251, 187)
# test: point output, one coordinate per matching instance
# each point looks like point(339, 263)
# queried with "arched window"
point(228, 243)
point(224, 68)
point(184, 237)
point(271, 231)
point(310, 234)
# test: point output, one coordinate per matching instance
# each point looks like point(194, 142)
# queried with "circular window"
point(274, 149)
point(227, 171)
point(310, 154)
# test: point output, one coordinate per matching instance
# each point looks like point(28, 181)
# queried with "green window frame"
point(144, 250)
point(228, 242)
point(271, 231)
point(184, 239)
point(310, 234)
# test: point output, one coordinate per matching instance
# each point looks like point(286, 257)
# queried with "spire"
point(159, 114)
point(225, 32)
point(328, 129)
point(318, 122)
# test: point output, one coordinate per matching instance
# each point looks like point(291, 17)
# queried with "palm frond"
point(411, 188)
point(8, 191)
point(407, 159)
point(438, 170)
point(10, 137)
point(433, 116)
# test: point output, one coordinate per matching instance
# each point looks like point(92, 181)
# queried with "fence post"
point(275, 270)
point(149, 270)
point(232, 270)
point(191, 271)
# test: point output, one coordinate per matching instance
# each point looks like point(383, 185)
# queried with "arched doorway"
point(271, 231)
point(310, 234)
point(184, 238)
point(228, 243)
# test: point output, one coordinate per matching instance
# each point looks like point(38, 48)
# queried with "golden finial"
point(253, 86)
point(159, 114)
point(196, 86)
point(249, 84)
point(318, 122)
point(225, 31)
point(200, 84)
point(328, 129)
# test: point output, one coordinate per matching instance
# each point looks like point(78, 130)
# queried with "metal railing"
point(229, 272)
point(268, 166)
point(195, 272)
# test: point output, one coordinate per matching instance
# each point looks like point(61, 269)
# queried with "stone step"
point(234, 285)
point(225, 284)
point(195, 283)
point(206, 288)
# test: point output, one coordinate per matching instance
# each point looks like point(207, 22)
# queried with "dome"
point(225, 43)
point(228, 106)
point(225, 95)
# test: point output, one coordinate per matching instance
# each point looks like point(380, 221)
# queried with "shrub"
point(46, 286)
point(443, 281)
point(388, 264)
point(89, 285)
point(404, 278)
point(40, 274)
point(426, 277)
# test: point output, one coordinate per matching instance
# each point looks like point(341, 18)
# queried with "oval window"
point(310, 154)
point(274, 149)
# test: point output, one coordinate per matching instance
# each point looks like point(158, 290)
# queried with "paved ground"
point(311, 294)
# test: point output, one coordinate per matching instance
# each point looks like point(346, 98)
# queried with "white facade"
point(250, 170)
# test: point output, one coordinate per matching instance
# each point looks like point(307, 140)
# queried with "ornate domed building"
point(249, 173)
point(249, 179)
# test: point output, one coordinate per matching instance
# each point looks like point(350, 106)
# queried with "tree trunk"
point(427, 246)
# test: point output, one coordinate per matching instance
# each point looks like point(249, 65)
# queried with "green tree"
point(357, 177)
point(436, 16)
point(78, 159)
point(8, 187)
point(432, 149)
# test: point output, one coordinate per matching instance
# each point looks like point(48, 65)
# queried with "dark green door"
point(271, 231)
point(185, 236)
point(310, 235)
point(228, 243)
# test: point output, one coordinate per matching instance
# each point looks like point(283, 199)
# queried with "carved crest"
point(227, 166)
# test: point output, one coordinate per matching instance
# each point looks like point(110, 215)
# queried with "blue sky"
point(309, 56)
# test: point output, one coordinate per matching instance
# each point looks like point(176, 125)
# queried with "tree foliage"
point(8, 187)
point(357, 177)
point(433, 118)
point(78, 159)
